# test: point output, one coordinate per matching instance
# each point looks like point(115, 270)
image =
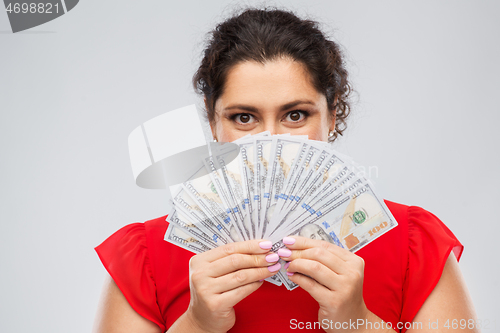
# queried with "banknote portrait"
point(314, 231)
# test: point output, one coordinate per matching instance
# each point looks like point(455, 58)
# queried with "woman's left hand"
point(333, 276)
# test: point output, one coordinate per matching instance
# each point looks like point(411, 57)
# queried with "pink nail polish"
point(284, 253)
point(289, 274)
point(274, 268)
point(265, 245)
point(286, 265)
point(261, 280)
point(272, 257)
point(288, 240)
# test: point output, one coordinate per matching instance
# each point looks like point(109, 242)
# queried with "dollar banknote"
point(180, 238)
point(275, 186)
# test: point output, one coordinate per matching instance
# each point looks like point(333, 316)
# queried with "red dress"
point(401, 269)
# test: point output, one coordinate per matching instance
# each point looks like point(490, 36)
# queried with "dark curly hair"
point(267, 34)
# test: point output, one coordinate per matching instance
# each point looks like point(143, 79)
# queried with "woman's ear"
point(214, 134)
point(332, 123)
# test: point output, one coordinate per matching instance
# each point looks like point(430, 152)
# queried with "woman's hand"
point(222, 277)
point(332, 275)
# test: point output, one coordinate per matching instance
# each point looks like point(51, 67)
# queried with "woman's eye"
point(295, 116)
point(243, 118)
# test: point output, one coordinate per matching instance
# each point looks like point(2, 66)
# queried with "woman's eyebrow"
point(242, 107)
point(282, 108)
point(295, 103)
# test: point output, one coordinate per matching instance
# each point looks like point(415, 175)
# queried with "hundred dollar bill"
point(178, 237)
point(185, 203)
point(283, 196)
point(308, 166)
point(230, 207)
point(278, 186)
point(324, 205)
point(262, 155)
point(268, 152)
point(328, 167)
point(319, 202)
point(316, 173)
point(364, 218)
point(314, 228)
point(230, 172)
point(286, 151)
point(247, 171)
point(181, 221)
point(181, 238)
point(201, 189)
point(274, 280)
point(304, 171)
point(356, 220)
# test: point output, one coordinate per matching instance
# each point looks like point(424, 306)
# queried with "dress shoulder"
point(430, 242)
point(126, 257)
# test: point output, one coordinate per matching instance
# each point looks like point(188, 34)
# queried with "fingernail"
point(272, 257)
point(286, 265)
point(274, 268)
point(289, 274)
point(288, 240)
point(265, 245)
point(261, 280)
point(284, 253)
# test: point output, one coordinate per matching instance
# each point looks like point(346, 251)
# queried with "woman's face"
point(277, 96)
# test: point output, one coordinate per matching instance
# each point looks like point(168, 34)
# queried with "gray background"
point(427, 76)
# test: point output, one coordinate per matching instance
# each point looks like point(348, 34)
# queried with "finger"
point(232, 297)
point(248, 247)
point(302, 243)
point(316, 290)
point(237, 261)
point(242, 277)
point(319, 254)
point(316, 271)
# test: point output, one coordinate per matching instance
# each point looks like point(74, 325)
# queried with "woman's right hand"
point(222, 277)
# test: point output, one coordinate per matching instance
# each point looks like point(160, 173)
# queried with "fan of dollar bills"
point(271, 186)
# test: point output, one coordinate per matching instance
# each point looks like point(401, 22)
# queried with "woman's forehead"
point(275, 82)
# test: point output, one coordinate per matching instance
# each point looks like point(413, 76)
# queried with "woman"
point(269, 70)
